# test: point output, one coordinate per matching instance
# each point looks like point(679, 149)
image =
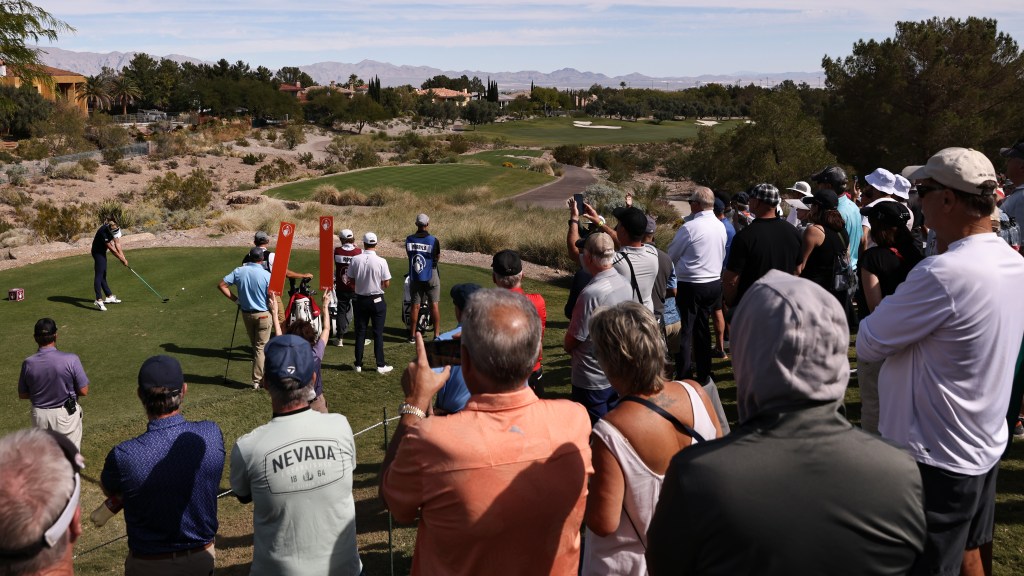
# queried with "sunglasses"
point(923, 189)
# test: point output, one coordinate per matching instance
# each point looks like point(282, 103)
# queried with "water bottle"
point(106, 511)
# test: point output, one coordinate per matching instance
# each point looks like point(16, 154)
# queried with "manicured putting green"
point(422, 180)
point(550, 132)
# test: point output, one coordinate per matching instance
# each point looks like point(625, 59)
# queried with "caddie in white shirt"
point(949, 337)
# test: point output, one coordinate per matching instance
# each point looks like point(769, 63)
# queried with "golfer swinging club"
point(108, 237)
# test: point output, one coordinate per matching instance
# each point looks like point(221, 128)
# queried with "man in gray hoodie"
point(795, 488)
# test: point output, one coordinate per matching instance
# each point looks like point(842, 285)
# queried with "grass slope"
point(195, 327)
point(549, 132)
point(422, 180)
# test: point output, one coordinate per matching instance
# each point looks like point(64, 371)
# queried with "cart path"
point(554, 195)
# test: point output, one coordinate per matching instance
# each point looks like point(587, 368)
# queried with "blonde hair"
point(629, 346)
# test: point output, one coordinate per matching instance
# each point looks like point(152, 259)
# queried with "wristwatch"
point(406, 408)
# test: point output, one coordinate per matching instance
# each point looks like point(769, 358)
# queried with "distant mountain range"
point(90, 63)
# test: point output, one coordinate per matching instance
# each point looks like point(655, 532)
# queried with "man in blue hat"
point(297, 471)
point(167, 480)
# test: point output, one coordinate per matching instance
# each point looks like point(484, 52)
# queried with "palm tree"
point(95, 92)
point(124, 91)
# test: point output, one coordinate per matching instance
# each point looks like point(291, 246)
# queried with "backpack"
point(302, 308)
point(844, 278)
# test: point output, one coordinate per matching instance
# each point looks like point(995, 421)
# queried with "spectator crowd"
point(638, 471)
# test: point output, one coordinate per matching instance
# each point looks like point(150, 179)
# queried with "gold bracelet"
point(406, 408)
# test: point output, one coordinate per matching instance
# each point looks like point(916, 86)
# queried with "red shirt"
point(542, 310)
point(342, 258)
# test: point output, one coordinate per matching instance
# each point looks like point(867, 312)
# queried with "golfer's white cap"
point(346, 234)
point(370, 239)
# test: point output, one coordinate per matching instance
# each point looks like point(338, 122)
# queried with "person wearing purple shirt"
point(167, 479)
point(53, 380)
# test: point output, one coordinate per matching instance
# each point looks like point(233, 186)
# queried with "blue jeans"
point(370, 309)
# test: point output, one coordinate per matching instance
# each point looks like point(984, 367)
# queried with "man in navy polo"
point(167, 479)
point(53, 381)
point(253, 281)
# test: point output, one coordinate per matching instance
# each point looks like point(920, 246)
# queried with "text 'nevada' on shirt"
point(298, 469)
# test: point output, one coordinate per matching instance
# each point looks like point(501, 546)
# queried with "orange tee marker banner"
point(281, 255)
point(326, 253)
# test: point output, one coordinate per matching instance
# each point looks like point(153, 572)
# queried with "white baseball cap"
point(370, 239)
point(962, 169)
point(346, 234)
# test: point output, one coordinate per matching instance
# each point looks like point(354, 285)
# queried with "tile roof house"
point(65, 84)
point(443, 94)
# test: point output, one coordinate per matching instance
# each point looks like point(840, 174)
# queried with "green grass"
point(195, 327)
point(549, 132)
point(422, 180)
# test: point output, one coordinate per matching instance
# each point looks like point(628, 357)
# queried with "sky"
point(661, 38)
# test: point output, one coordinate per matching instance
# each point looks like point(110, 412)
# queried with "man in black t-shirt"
point(767, 243)
point(107, 238)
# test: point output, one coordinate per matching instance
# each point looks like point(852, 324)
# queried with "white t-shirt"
point(367, 271)
point(298, 470)
point(950, 336)
point(645, 265)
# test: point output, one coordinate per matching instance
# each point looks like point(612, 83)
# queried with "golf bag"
point(302, 307)
point(425, 322)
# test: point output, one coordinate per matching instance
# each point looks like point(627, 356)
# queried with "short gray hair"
point(38, 482)
point(703, 196)
point(288, 390)
point(501, 332)
point(629, 346)
point(508, 282)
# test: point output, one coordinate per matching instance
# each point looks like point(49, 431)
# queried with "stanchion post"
point(391, 549)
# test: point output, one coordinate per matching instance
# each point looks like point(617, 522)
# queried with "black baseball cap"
point(507, 263)
point(632, 219)
point(161, 372)
point(830, 175)
point(45, 327)
point(461, 292)
point(888, 214)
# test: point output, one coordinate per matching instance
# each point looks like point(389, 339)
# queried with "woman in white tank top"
point(633, 444)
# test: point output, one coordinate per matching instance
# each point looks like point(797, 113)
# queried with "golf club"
point(238, 309)
point(148, 286)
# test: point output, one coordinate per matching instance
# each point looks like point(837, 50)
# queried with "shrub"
point(293, 136)
point(604, 197)
point(276, 171)
point(90, 165)
point(363, 156)
point(168, 144)
point(229, 224)
point(5, 225)
point(251, 159)
point(7, 157)
point(63, 223)
point(181, 194)
point(125, 167)
point(17, 175)
point(381, 196)
point(573, 154)
point(171, 164)
point(186, 219)
point(499, 142)
point(116, 210)
point(458, 144)
point(111, 155)
point(68, 171)
point(324, 194)
point(542, 166)
point(306, 159)
point(271, 135)
point(241, 141)
point(334, 168)
point(14, 198)
point(33, 149)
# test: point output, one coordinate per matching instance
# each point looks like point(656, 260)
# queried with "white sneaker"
point(358, 368)
point(340, 343)
point(384, 369)
point(367, 342)
point(99, 304)
point(112, 299)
